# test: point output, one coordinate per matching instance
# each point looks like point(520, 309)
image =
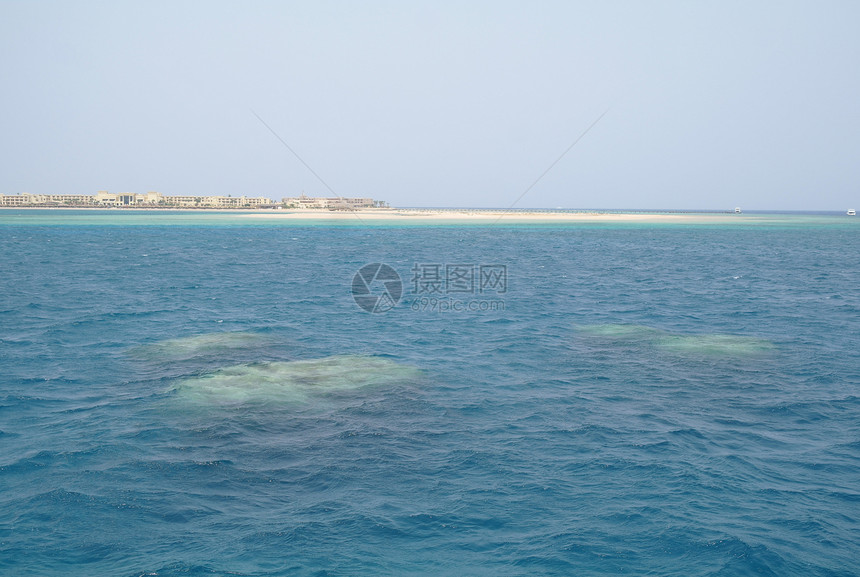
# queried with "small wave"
point(185, 569)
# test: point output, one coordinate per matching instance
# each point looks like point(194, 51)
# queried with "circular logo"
point(376, 287)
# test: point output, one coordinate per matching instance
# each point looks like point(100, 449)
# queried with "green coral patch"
point(292, 382)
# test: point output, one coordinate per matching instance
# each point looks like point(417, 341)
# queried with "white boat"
point(851, 212)
point(737, 210)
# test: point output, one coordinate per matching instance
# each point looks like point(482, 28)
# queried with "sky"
point(670, 104)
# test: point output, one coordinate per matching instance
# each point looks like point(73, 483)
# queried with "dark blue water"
point(640, 400)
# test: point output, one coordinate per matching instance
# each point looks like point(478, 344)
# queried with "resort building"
point(27, 199)
point(104, 198)
point(15, 200)
point(338, 203)
point(128, 199)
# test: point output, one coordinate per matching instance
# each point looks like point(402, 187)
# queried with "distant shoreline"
point(137, 208)
point(486, 216)
point(423, 214)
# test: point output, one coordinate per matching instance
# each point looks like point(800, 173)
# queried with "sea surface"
point(205, 394)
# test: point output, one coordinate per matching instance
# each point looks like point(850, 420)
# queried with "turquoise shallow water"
point(189, 396)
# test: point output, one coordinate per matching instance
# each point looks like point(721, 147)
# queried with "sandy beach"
point(416, 216)
point(488, 216)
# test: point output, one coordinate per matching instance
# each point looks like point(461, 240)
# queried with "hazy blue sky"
point(711, 104)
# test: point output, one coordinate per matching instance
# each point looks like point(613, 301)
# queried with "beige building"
point(27, 199)
point(15, 199)
point(338, 203)
point(105, 198)
point(156, 199)
point(237, 201)
point(216, 201)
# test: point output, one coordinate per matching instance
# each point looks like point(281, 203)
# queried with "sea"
point(208, 394)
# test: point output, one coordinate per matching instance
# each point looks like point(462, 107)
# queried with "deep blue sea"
point(202, 394)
